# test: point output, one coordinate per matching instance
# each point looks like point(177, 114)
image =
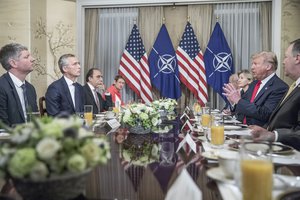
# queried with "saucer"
point(211, 155)
point(218, 174)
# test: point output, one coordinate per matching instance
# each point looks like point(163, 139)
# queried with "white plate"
point(279, 181)
point(218, 174)
point(4, 136)
point(211, 155)
point(231, 127)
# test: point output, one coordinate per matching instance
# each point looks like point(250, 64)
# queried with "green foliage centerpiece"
point(49, 158)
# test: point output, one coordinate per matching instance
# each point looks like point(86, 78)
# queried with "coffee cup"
point(228, 162)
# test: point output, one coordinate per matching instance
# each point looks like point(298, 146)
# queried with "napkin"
point(184, 187)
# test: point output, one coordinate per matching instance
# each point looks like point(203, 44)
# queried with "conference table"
point(147, 166)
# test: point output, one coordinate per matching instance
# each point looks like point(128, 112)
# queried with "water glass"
point(256, 171)
point(88, 114)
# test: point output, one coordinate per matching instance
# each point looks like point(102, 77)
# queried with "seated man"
point(263, 95)
point(115, 89)
point(17, 96)
point(66, 95)
point(284, 123)
point(92, 97)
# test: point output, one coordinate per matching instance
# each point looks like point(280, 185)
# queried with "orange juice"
point(205, 120)
point(257, 179)
point(88, 118)
point(116, 110)
point(217, 135)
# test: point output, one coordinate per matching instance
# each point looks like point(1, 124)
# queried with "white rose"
point(47, 148)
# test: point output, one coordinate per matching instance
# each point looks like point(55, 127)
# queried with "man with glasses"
point(284, 123)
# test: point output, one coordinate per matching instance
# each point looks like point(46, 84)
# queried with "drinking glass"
point(205, 117)
point(217, 131)
point(88, 114)
point(256, 171)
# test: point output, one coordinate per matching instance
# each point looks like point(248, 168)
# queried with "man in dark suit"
point(17, 96)
point(94, 80)
point(263, 95)
point(284, 123)
point(66, 95)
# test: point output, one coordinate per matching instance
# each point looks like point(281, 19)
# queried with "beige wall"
point(290, 27)
point(18, 23)
point(18, 20)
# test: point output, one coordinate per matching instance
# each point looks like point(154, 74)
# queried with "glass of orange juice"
point(256, 171)
point(217, 130)
point(88, 115)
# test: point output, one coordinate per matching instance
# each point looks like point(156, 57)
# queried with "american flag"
point(191, 65)
point(134, 66)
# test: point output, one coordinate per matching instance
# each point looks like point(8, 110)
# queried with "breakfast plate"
point(218, 174)
point(276, 147)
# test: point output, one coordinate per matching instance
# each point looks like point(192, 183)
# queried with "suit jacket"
point(265, 102)
point(289, 137)
point(287, 113)
point(11, 111)
point(59, 100)
point(90, 100)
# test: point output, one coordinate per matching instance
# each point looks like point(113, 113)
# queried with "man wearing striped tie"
point(284, 123)
point(94, 80)
point(263, 95)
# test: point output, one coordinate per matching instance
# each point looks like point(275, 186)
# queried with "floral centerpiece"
point(50, 149)
point(168, 104)
point(140, 117)
point(138, 150)
point(166, 108)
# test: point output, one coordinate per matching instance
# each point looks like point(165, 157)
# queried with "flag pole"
point(134, 21)
point(188, 18)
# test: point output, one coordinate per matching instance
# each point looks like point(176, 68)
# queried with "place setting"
point(249, 174)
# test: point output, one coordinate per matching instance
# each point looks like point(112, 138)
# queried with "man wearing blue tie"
point(66, 95)
point(17, 96)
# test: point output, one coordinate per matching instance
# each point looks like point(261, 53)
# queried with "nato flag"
point(218, 61)
point(163, 66)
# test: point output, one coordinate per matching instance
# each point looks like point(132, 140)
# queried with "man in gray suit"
point(17, 96)
point(284, 123)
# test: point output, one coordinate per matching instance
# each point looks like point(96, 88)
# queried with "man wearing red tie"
point(263, 95)
point(284, 123)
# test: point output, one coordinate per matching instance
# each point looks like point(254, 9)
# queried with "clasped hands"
point(233, 95)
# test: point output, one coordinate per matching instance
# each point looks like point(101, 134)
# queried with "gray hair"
point(10, 51)
point(63, 61)
point(296, 47)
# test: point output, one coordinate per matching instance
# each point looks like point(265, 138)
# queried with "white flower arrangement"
point(140, 115)
point(141, 155)
point(168, 104)
point(49, 147)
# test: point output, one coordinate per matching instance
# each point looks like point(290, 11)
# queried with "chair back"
point(42, 106)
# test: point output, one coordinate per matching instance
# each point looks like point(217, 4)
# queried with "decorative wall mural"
point(60, 39)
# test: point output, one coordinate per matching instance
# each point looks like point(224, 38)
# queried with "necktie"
point(255, 91)
point(97, 100)
point(289, 91)
point(253, 97)
point(25, 96)
point(77, 98)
